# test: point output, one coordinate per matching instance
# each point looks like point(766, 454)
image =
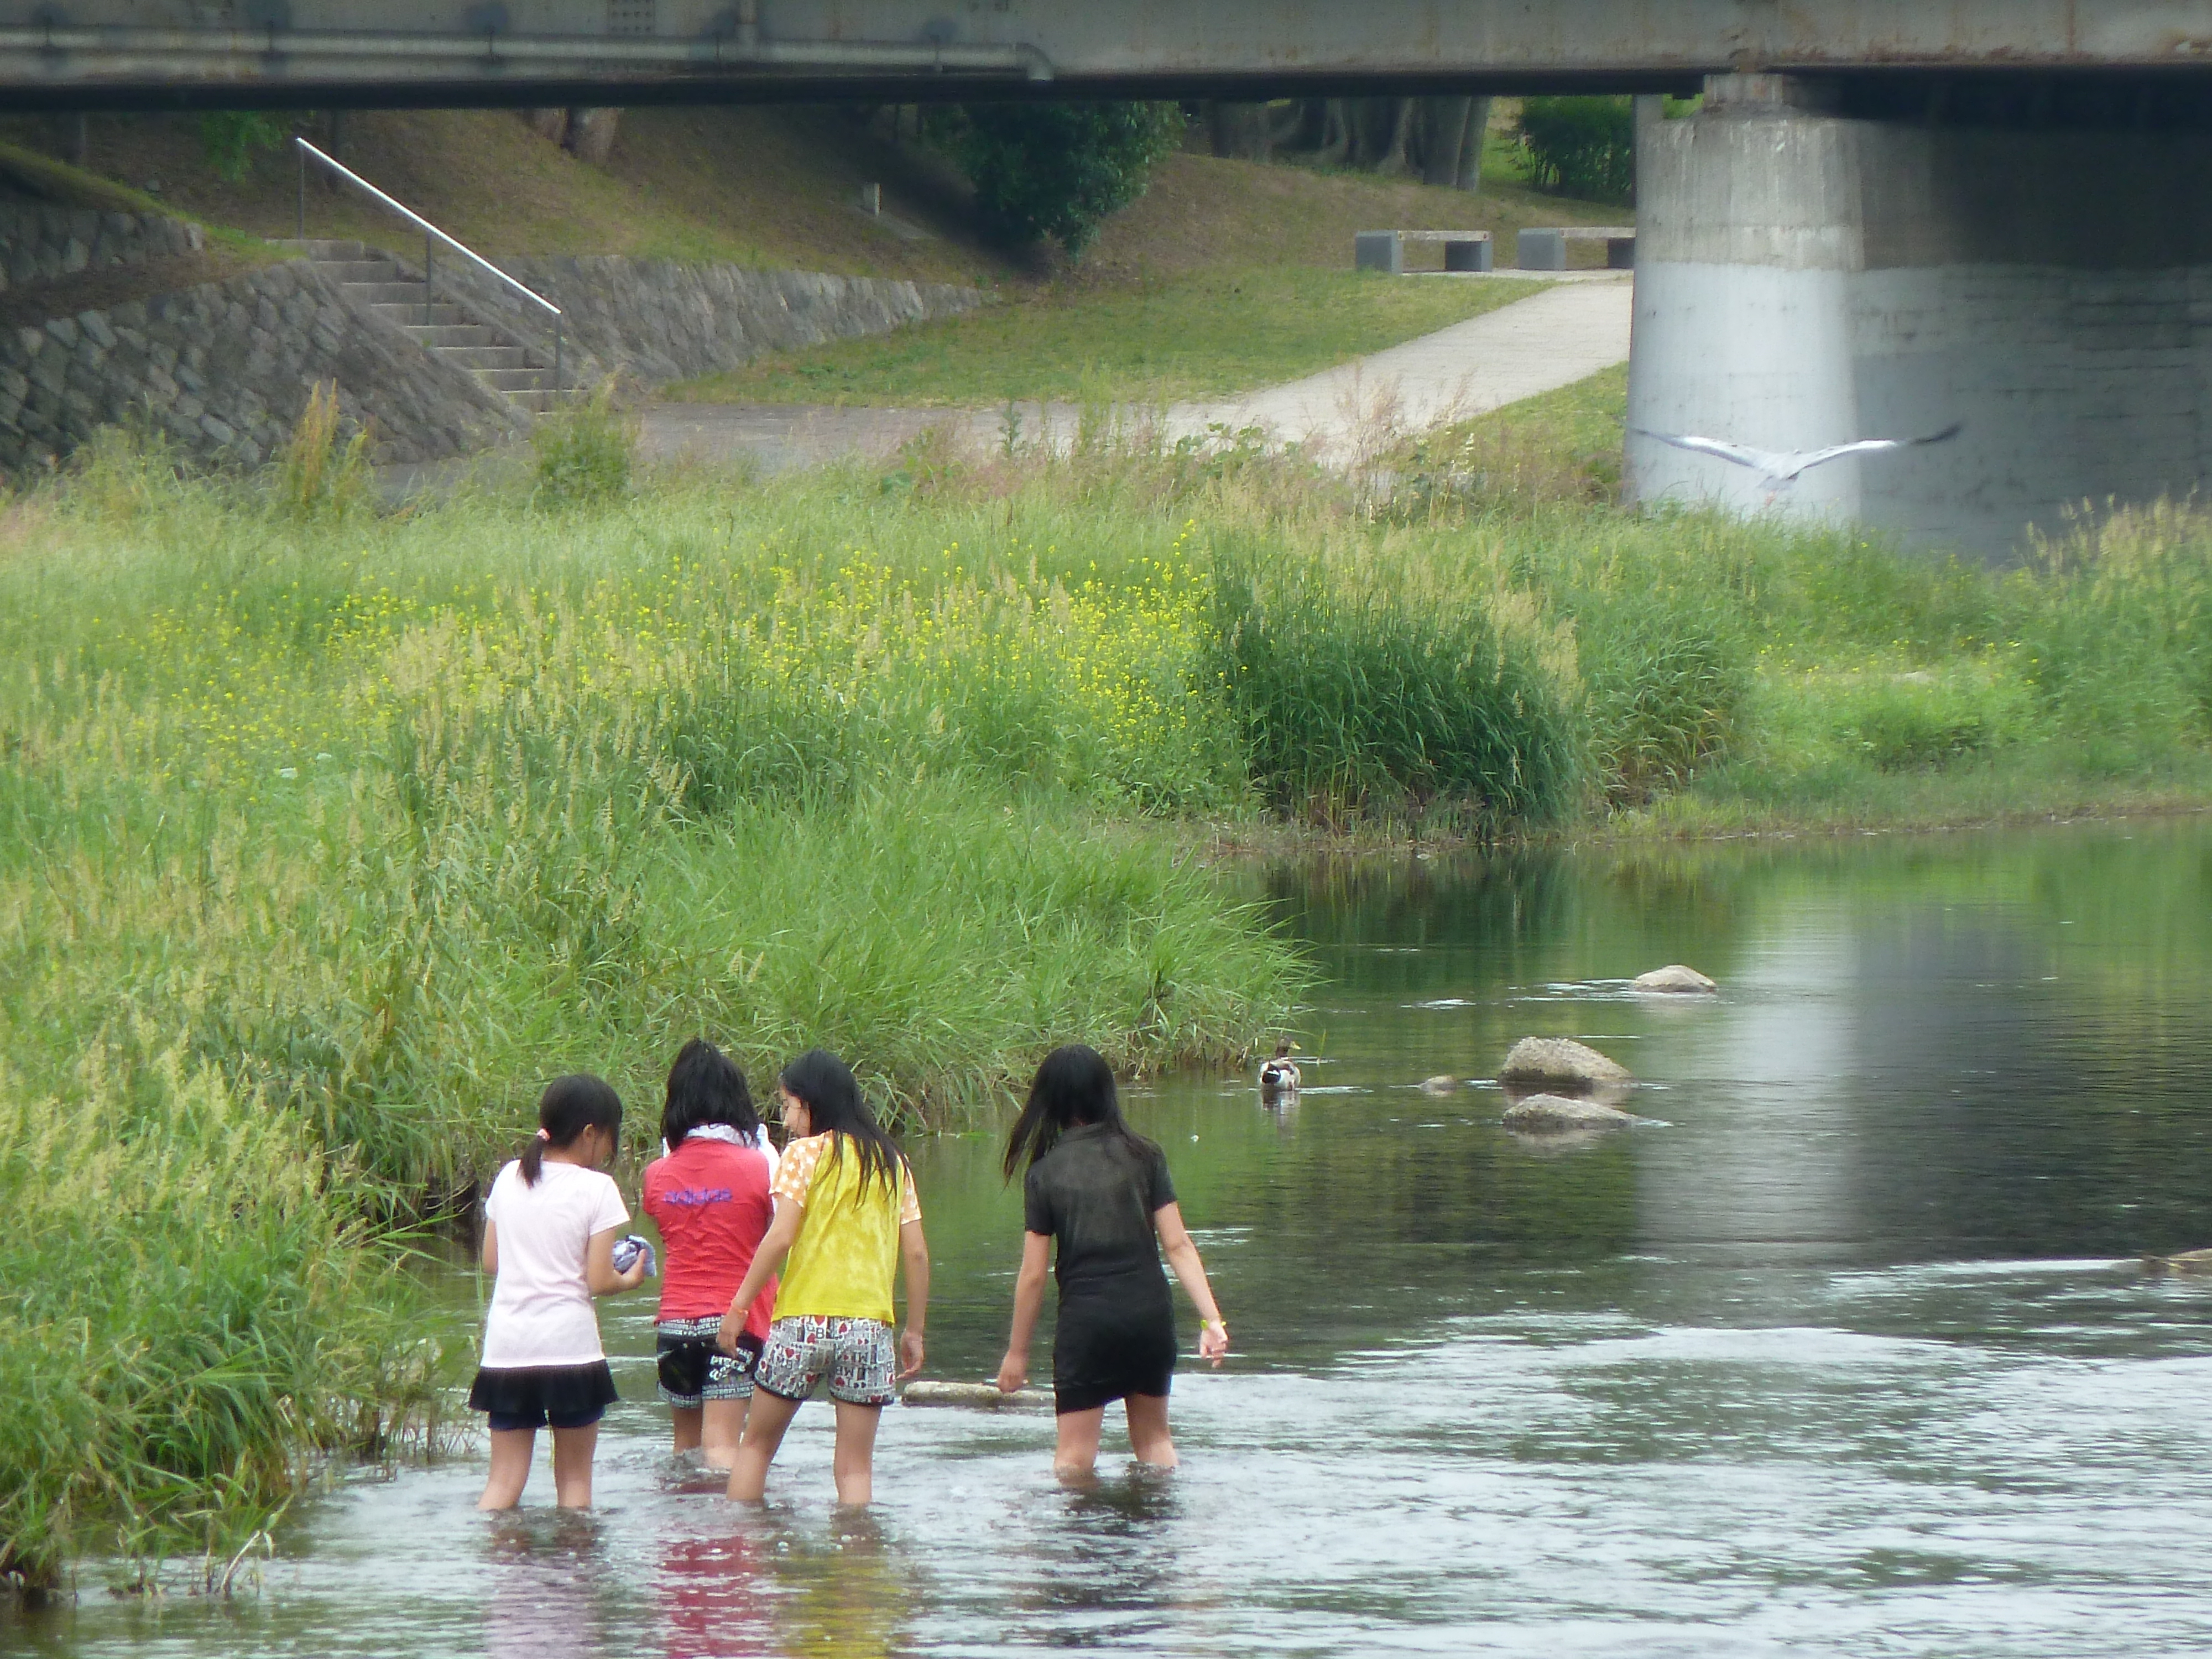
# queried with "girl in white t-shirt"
point(549, 1229)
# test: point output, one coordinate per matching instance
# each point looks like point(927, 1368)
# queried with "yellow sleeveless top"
point(842, 1262)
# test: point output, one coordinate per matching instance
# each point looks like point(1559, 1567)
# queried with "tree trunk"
point(1443, 134)
point(1335, 130)
point(550, 125)
point(592, 133)
point(1241, 130)
point(1401, 132)
point(1470, 154)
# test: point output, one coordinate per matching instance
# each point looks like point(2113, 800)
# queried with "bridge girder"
point(111, 53)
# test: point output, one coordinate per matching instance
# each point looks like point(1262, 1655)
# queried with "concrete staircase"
point(370, 277)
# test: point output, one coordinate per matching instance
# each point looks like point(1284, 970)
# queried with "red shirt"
point(710, 1200)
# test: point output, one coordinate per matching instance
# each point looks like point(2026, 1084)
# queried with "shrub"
point(1372, 687)
point(229, 138)
point(586, 450)
point(1583, 147)
point(1059, 169)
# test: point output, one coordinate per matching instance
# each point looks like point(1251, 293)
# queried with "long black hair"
point(825, 1086)
point(570, 1106)
point(1073, 1088)
point(705, 1085)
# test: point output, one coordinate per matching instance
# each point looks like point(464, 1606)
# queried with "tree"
point(1059, 169)
point(1583, 146)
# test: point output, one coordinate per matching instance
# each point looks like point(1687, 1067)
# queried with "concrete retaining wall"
point(44, 244)
point(225, 369)
point(660, 321)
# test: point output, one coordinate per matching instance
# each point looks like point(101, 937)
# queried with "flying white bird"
point(1779, 467)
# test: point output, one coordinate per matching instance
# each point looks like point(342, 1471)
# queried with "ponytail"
point(570, 1106)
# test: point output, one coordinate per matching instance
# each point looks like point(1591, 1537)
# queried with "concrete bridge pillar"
point(1808, 277)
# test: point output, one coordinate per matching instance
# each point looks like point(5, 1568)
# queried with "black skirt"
point(1112, 1339)
point(534, 1396)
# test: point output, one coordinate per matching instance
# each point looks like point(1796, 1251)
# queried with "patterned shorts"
point(693, 1370)
point(857, 1355)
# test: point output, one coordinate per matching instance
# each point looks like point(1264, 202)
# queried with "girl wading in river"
point(550, 1230)
point(1101, 1191)
point(708, 1194)
point(845, 1218)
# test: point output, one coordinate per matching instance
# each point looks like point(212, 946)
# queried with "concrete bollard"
point(1541, 250)
point(1379, 249)
point(1469, 255)
point(1620, 254)
point(872, 199)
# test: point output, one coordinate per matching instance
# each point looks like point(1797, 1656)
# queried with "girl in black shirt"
point(1101, 1191)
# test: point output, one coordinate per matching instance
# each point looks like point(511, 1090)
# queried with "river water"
point(1847, 1352)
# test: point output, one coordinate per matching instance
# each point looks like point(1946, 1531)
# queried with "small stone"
point(1439, 1084)
point(1560, 1060)
point(1561, 1114)
point(1674, 979)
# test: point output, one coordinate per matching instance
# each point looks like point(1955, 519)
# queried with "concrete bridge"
point(1890, 215)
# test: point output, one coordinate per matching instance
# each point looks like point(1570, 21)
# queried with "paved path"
point(1565, 334)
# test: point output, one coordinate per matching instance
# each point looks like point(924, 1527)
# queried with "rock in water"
point(1438, 1085)
point(1560, 1060)
point(1560, 1113)
point(1674, 977)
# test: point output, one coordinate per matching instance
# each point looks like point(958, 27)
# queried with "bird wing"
point(1742, 454)
point(1877, 447)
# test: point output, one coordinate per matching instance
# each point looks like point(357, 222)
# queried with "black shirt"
point(1096, 1192)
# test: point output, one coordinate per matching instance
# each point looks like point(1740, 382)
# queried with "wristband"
point(1213, 1325)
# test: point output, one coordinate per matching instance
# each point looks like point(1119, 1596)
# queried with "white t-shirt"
point(541, 1303)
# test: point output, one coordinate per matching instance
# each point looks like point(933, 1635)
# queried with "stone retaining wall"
point(43, 244)
point(657, 320)
point(225, 369)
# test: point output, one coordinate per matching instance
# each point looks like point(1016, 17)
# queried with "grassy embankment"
point(1224, 276)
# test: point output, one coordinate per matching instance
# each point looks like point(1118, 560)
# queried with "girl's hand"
point(1013, 1372)
point(1214, 1340)
point(633, 1275)
point(725, 1338)
point(909, 1353)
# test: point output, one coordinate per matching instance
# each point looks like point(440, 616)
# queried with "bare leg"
point(1148, 1431)
point(770, 1416)
point(722, 1430)
point(855, 1462)
point(1077, 1454)
point(684, 1420)
point(571, 1465)
point(511, 1449)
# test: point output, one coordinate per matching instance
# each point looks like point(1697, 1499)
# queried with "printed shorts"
point(694, 1370)
point(857, 1356)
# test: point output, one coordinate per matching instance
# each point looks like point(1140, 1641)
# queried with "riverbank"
point(345, 827)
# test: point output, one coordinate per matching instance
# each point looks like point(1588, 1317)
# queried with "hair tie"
point(545, 1135)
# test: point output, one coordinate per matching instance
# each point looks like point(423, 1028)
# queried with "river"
point(1847, 1352)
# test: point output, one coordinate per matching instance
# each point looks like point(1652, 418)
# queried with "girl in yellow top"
point(846, 1216)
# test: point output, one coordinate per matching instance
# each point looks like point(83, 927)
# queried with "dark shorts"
point(1107, 1347)
point(539, 1396)
point(693, 1368)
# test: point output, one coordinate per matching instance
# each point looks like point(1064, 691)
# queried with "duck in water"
point(1279, 1078)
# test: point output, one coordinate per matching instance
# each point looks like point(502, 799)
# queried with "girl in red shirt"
point(708, 1194)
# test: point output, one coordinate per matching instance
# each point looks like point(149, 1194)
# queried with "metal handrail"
point(431, 236)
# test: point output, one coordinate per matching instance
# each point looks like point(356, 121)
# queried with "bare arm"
point(1182, 1256)
point(599, 1265)
point(491, 1255)
point(1028, 1303)
point(914, 1256)
point(775, 1246)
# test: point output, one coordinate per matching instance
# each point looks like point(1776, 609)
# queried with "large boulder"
point(1675, 980)
point(1556, 1060)
point(1563, 1114)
